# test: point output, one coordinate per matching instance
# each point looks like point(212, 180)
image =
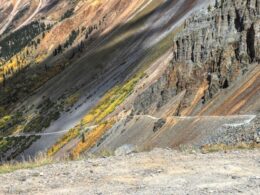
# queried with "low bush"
point(74, 132)
point(91, 138)
point(36, 162)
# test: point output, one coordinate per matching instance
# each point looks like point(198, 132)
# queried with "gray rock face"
point(125, 150)
point(232, 135)
point(225, 39)
point(231, 26)
point(217, 45)
point(159, 124)
point(158, 94)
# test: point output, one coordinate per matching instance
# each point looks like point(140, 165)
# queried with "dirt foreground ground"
point(157, 172)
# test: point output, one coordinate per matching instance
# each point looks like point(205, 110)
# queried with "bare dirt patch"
point(158, 172)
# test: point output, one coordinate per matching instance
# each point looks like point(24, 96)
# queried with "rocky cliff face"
point(212, 80)
point(64, 61)
point(216, 47)
point(58, 60)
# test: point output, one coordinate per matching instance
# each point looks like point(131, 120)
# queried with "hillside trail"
point(46, 134)
point(11, 17)
point(245, 119)
point(28, 20)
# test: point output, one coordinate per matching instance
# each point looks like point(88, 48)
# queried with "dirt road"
point(157, 172)
point(31, 17)
point(11, 17)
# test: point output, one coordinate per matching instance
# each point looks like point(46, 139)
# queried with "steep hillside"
point(88, 75)
point(209, 89)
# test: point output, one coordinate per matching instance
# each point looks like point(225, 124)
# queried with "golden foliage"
point(71, 100)
point(5, 120)
point(106, 106)
point(224, 147)
point(64, 140)
point(111, 100)
point(91, 138)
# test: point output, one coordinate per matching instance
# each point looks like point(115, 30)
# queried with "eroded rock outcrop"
point(214, 49)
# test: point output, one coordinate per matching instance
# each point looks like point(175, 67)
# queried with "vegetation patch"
point(41, 160)
point(73, 133)
point(10, 147)
point(38, 123)
point(71, 100)
point(21, 12)
point(91, 138)
point(111, 100)
point(73, 35)
point(106, 106)
point(67, 14)
point(9, 122)
point(16, 41)
point(224, 147)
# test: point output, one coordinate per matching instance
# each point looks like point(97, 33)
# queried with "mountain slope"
point(211, 84)
point(77, 73)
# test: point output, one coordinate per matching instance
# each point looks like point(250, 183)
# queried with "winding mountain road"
point(16, 10)
point(28, 20)
point(46, 133)
point(11, 17)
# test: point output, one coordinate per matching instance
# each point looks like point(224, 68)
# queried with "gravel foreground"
point(157, 172)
